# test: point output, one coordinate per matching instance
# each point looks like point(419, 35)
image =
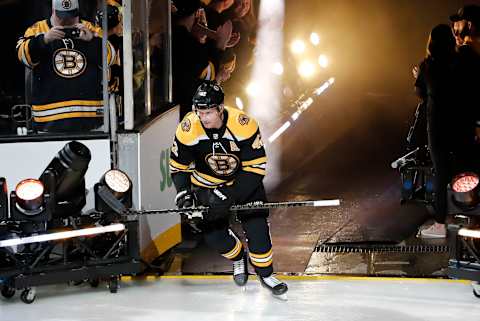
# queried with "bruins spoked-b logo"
point(243, 119)
point(69, 63)
point(186, 125)
point(66, 4)
point(222, 164)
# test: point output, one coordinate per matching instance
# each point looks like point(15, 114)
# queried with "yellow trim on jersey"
point(195, 130)
point(177, 165)
point(240, 131)
point(258, 171)
point(211, 179)
point(194, 181)
point(69, 103)
point(262, 255)
point(26, 52)
point(256, 161)
point(66, 115)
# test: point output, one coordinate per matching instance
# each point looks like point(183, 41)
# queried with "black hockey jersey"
point(217, 157)
point(67, 78)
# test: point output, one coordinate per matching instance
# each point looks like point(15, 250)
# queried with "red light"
point(465, 182)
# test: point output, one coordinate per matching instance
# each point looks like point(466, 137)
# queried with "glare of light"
point(469, 233)
point(239, 103)
point(252, 89)
point(279, 131)
point(335, 202)
point(331, 80)
point(277, 68)
point(297, 46)
point(62, 235)
point(29, 189)
point(314, 38)
point(307, 103)
point(323, 61)
point(295, 115)
point(306, 69)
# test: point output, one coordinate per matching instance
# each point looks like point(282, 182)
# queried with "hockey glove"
point(185, 199)
point(220, 200)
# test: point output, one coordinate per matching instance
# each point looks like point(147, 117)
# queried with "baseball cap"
point(66, 8)
point(469, 12)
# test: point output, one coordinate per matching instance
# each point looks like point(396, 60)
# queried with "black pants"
point(219, 236)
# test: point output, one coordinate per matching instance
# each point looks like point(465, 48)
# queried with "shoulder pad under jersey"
point(241, 125)
point(190, 130)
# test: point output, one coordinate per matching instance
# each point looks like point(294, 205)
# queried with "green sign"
point(166, 179)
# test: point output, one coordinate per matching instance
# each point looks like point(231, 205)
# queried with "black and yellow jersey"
point(67, 78)
point(218, 157)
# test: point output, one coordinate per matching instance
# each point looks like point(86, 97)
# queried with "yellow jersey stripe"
point(262, 264)
point(255, 170)
point(194, 181)
point(66, 115)
point(261, 255)
point(177, 164)
point(256, 161)
point(67, 104)
point(211, 178)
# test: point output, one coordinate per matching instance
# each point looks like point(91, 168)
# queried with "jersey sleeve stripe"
point(255, 161)
point(254, 170)
point(178, 165)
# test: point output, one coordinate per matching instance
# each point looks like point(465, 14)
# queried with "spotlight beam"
point(63, 235)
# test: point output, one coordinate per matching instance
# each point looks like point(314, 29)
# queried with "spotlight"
point(306, 69)
point(28, 202)
point(297, 46)
point(64, 179)
point(465, 189)
point(3, 199)
point(314, 38)
point(113, 192)
point(30, 196)
point(323, 61)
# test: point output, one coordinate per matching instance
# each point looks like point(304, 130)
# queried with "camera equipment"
point(72, 33)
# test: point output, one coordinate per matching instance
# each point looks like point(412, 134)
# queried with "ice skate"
point(240, 272)
point(278, 288)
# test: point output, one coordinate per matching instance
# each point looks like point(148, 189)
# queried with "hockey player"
point(65, 55)
point(218, 158)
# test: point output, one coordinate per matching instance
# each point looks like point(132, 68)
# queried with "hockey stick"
point(245, 207)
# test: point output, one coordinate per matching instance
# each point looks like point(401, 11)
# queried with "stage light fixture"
point(29, 203)
point(30, 196)
point(465, 189)
point(64, 179)
point(113, 193)
point(3, 199)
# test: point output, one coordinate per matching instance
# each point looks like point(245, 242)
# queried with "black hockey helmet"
point(208, 95)
point(113, 17)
